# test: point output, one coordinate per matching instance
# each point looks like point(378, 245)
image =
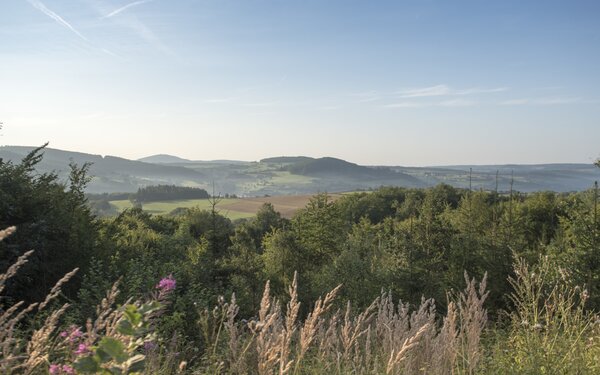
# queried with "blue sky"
point(418, 82)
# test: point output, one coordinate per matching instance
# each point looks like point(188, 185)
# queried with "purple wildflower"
point(75, 334)
point(54, 369)
point(166, 284)
point(82, 349)
point(149, 346)
point(68, 369)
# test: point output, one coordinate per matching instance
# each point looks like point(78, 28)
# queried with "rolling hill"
point(110, 173)
point(300, 175)
point(164, 159)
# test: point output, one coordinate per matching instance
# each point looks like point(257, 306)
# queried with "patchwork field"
point(238, 208)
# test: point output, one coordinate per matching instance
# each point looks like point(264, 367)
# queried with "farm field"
point(233, 208)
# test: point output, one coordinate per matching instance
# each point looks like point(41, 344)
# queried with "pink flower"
point(54, 369)
point(82, 349)
point(75, 334)
point(68, 369)
point(166, 284)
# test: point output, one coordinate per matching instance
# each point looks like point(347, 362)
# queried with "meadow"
point(232, 208)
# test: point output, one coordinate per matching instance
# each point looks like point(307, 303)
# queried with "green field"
point(165, 207)
point(233, 208)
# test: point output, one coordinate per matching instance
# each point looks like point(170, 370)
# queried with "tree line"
point(409, 242)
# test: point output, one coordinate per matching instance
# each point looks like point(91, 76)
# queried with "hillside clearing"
point(233, 208)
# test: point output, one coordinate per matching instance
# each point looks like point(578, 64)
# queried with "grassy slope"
point(287, 205)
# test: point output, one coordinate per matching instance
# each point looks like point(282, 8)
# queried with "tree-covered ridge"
point(408, 242)
point(299, 175)
point(169, 192)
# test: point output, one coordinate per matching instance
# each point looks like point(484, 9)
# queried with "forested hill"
point(334, 166)
point(299, 175)
point(110, 173)
point(164, 159)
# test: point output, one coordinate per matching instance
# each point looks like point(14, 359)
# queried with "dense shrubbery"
point(169, 192)
point(408, 242)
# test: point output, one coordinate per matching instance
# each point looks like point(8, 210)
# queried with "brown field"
point(287, 205)
point(233, 208)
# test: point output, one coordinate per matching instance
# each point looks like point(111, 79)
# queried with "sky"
point(413, 83)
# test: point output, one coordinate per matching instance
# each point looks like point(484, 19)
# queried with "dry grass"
point(385, 338)
point(27, 355)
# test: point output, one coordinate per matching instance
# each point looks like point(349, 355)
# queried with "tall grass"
point(548, 332)
point(388, 337)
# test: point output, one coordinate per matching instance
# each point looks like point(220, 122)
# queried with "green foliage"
point(121, 355)
point(550, 331)
point(52, 218)
point(410, 242)
point(169, 192)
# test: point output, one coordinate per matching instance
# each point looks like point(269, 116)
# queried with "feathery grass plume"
point(329, 343)
point(550, 327)
point(473, 318)
point(14, 268)
point(267, 329)
point(106, 315)
point(352, 329)
point(55, 291)
point(233, 332)
point(313, 323)
point(409, 343)
point(38, 347)
point(7, 232)
point(293, 307)
point(445, 345)
point(425, 315)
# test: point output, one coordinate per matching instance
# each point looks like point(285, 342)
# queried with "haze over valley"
point(301, 175)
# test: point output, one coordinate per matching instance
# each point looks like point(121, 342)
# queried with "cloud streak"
point(445, 90)
point(42, 8)
point(125, 7)
point(541, 101)
point(452, 103)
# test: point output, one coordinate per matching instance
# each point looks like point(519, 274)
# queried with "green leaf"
point(149, 307)
point(136, 363)
point(131, 313)
point(87, 365)
point(114, 348)
point(103, 356)
point(126, 328)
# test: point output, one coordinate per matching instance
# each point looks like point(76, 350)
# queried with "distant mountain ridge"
point(111, 173)
point(164, 159)
point(286, 159)
point(301, 174)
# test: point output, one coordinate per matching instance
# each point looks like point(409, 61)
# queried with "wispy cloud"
point(475, 90)
point(421, 104)
point(125, 7)
point(220, 100)
point(133, 23)
point(406, 105)
point(541, 101)
point(552, 101)
point(457, 103)
point(438, 90)
point(445, 90)
point(515, 102)
point(366, 96)
point(262, 104)
point(42, 8)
